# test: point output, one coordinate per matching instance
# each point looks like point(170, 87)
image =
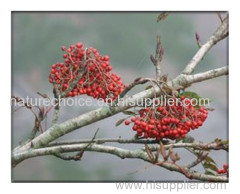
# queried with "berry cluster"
point(224, 170)
point(97, 80)
point(170, 122)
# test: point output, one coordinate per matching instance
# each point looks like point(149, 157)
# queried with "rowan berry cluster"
point(224, 170)
point(171, 122)
point(96, 81)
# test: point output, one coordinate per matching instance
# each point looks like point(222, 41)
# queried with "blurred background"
point(128, 38)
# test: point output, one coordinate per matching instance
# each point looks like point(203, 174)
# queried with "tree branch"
point(220, 33)
point(195, 145)
point(199, 159)
point(107, 140)
point(61, 147)
point(187, 80)
point(207, 75)
point(122, 153)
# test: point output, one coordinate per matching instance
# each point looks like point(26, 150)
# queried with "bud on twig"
point(163, 151)
point(42, 95)
point(161, 52)
point(153, 59)
point(198, 40)
point(220, 17)
point(162, 16)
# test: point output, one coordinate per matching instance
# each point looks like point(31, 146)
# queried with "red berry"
point(189, 123)
point(133, 119)
point(225, 166)
point(127, 122)
point(79, 45)
point(219, 171)
point(224, 171)
point(182, 97)
point(152, 121)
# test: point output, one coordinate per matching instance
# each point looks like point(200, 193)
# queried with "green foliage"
point(210, 166)
point(194, 95)
point(188, 139)
point(119, 122)
point(128, 112)
point(190, 94)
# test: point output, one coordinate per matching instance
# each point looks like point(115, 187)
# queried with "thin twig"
point(220, 33)
point(132, 85)
point(158, 58)
point(79, 155)
point(199, 159)
point(220, 17)
point(199, 43)
point(110, 140)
